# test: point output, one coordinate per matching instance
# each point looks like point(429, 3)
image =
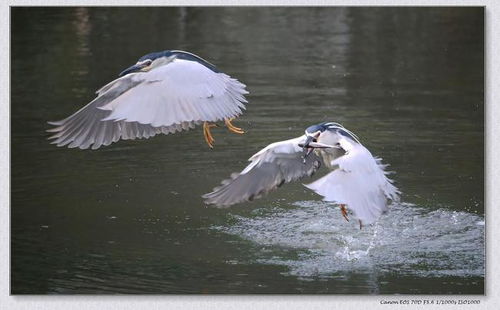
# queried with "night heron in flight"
point(164, 92)
point(358, 181)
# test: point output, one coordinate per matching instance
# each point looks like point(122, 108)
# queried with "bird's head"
point(325, 135)
point(153, 60)
point(145, 63)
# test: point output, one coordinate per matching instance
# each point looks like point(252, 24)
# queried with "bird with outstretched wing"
point(357, 181)
point(164, 92)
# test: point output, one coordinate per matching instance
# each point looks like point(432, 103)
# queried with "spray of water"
point(313, 240)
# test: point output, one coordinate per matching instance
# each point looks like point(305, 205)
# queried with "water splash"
point(313, 240)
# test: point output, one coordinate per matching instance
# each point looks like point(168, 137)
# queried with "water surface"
point(128, 218)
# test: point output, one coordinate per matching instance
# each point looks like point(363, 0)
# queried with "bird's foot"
point(344, 212)
point(233, 128)
point(208, 135)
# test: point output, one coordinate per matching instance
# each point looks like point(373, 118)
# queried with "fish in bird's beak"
point(306, 146)
point(310, 144)
point(134, 68)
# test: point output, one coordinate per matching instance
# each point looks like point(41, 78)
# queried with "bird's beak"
point(309, 145)
point(132, 69)
point(317, 145)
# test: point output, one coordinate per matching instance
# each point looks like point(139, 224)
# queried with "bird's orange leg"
point(344, 212)
point(208, 135)
point(233, 128)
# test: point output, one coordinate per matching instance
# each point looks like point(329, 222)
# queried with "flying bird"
point(357, 182)
point(164, 92)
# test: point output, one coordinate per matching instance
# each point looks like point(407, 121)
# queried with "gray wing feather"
point(263, 177)
point(85, 128)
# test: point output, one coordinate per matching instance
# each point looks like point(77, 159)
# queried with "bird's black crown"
point(323, 126)
point(180, 55)
point(332, 126)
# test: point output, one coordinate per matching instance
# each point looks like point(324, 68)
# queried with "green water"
point(128, 218)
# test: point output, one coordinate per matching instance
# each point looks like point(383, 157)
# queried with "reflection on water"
point(129, 218)
point(313, 240)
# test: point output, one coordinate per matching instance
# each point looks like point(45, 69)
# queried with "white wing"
point(170, 98)
point(360, 182)
point(276, 164)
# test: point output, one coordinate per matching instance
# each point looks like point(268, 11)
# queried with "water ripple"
point(313, 240)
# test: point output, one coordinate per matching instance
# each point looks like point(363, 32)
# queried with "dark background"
point(128, 218)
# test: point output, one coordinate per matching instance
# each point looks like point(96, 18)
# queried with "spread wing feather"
point(276, 164)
